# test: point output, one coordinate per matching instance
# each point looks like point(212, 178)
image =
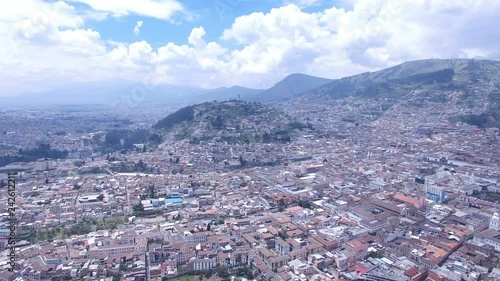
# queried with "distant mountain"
point(424, 74)
point(231, 121)
point(470, 86)
point(291, 86)
point(108, 92)
point(99, 92)
point(120, 92)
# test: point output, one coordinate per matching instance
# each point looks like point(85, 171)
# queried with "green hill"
point(231, 121)
point(460, 82)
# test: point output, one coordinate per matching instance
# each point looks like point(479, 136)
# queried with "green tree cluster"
point(43, 150)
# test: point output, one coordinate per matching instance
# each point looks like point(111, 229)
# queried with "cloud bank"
point(44, 44)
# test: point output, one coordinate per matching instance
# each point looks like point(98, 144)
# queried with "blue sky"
point(48, 44)
point(214, 15)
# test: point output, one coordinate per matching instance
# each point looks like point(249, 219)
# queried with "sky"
point(212, 43)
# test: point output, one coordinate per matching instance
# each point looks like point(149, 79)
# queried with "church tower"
point(495, 222)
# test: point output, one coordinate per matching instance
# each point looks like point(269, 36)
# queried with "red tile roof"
point(411, 272)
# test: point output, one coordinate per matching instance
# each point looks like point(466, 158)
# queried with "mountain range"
point(115, 92)
point(468, 89)
point(112, 92)
point(473, 85)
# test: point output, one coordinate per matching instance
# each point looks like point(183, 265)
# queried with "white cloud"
point(195, 38)
point(42, 44)
point(302, 3)
point(48, 45)
point(137, 28)
point(160, 9)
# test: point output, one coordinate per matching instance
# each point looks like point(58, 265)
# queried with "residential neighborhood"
point(342, 202)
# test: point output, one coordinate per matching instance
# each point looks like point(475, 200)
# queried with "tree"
point(283, 235)
point(32, 236)
point(304, 204)
point(138, 209)
point(140, 166)
point(41, 235)
point(281, 207)
point(242, 160)
point(50, 235)
point(266, 138)
point(245, 271)
point(152, 192)
point(223, 272)
point(100, 197)
point(218, 122)
point(113, 138)
point(208, 274)
point(43, 150)
point(155, 138)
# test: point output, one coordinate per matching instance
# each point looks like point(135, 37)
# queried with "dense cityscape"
point(387, 199)
point(235, 140)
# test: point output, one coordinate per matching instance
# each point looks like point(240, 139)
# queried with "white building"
point(488, 237)
point(204, 264)
point(495, 222)
point(199, 237)
point(45, 165)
